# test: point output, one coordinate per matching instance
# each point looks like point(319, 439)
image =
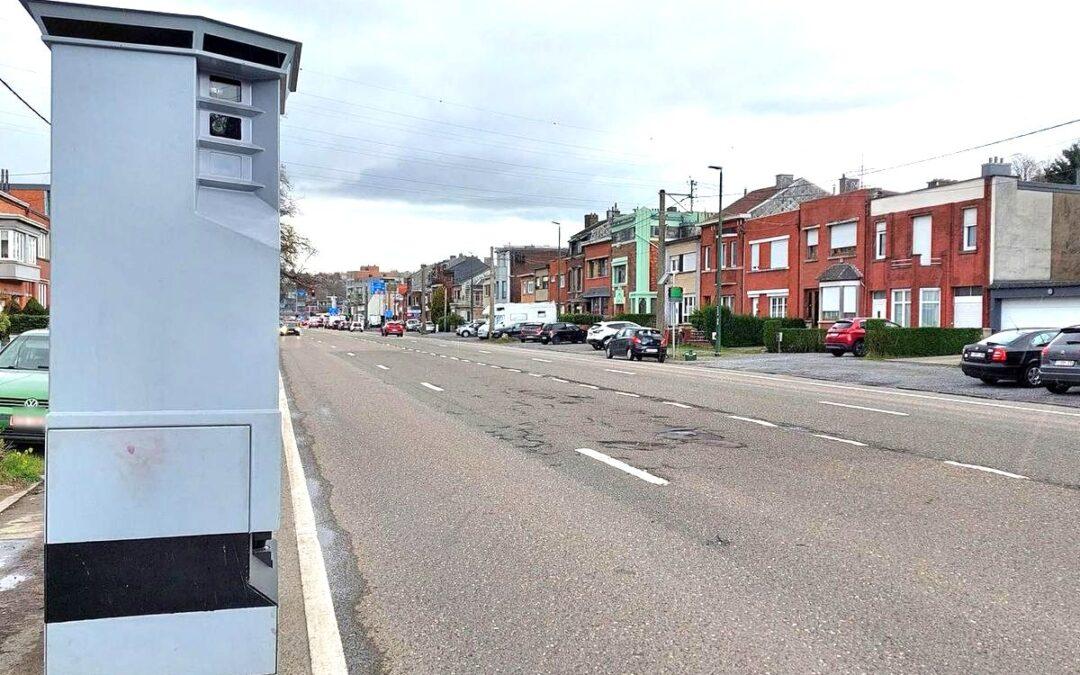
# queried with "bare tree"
point(296, 249)
point(1028, 168)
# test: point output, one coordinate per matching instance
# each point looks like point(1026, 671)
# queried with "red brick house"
point(24, 243)
point(596, 285)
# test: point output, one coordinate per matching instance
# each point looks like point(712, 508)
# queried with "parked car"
point(1008, 355)
point(599, 333)
point(412, 325)
point(315, 322)
point(356, 326)
point(530, 332)
point(849, 335)
point(393, 328)
point(1060, 361)
point(429, 327)
point(24, 387)
point(637, 342)
point(561, 332)
point(289, 328)
point(470, 329)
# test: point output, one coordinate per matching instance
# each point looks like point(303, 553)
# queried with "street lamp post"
point(558, 268)
point(716, 246)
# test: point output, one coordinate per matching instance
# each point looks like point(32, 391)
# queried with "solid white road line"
point(484, 351)
point(431, 386)
point(535, 375)
point(862, 407)
point(622, 466)
point(588, 386)
point(541, 360)
point(324, 638)
point(381, 366)
point(752, 420)
point(987, 469)
point(495, 366)
point(626, 393)
point(555, 379)
point(621, 372)
point(677, 405)
point(841, 440)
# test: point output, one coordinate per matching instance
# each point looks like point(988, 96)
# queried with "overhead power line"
point(24, 101)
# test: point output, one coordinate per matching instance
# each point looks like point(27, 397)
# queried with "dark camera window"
point(225, 126)
point(225, 89)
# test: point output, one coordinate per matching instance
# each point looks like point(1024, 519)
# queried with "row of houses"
point(990, 251)
point(25, 242)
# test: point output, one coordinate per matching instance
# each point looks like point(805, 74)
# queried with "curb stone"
point(13, 499)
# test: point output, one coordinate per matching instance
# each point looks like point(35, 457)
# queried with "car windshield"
point(26, 352)
point(648, 332)
point(1005, 337)
point(840, 325)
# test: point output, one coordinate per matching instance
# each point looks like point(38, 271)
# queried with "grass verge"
point(20, 468)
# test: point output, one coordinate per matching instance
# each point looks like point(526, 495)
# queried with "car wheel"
point(989, 380)
point(605, 342)
point(1032, 376)
point(859, 349)
point(1056, 387)
point(836, 353)
point(596, 346)
point(610, 354)
point(629, 354)
point(661, 358)
point(543, 340)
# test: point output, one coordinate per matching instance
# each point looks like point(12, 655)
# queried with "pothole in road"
point(701, 436)
point(718, 540)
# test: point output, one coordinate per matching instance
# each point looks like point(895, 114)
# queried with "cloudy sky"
point(422, 129)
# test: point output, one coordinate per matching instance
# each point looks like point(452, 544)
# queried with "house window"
point(19, 246)
point(226, 89)
point(778, 255)
point(778, 306)
point(879, 241)
point(43, 294)
point(921, 238)
point(901, 307)
point(842, 239)
point(811, 244)
point(755, 256)
point(618, 274)
point(532, 286)
point(754, 306)
point(929, 307)
point(733, 259)
point(683, 262)
point(970, 231)
point(727, 301)
point(562, 280)
point(706, 258)
point(839, 301)
point(598, 268)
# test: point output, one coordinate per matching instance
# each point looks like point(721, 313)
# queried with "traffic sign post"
point(163, 448)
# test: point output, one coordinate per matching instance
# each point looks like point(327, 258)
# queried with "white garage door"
point(967, 311)
point(1050, 312)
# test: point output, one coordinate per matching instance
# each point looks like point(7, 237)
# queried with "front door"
point(878, 309)
point(810, 305)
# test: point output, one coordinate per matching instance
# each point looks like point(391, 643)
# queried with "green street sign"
point(675, 293)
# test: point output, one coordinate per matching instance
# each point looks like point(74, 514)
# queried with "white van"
point(508, 313)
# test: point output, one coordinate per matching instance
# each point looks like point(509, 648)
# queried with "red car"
point(848, 335)
point(393, 328)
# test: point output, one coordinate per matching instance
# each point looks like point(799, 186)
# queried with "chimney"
point(848, 184)
point(784, 180)
point(591, 219)
point(938, 182)
point(996, 166)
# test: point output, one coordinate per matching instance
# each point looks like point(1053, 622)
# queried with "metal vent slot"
point(117, 32)
point(242, 51)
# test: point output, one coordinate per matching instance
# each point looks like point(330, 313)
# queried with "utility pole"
point(491, 296)
point(424, 311)
point(558, 268)
point(717, 346)
point(661, 252)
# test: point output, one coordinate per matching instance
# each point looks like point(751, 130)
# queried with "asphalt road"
point(485, 507)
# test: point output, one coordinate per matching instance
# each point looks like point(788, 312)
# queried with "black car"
point(561, 332)
point(1060, 363)
point(1008, 355)
point(636, 342)
point(510, 330)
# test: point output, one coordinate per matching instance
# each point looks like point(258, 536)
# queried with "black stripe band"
point(131, 577)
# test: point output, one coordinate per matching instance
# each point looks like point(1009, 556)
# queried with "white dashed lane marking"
point(860, 407)
point(677, 405)
point(350, 354)
point(542, 360)
point(841, 440)
point(431, 386)
point(381, 367)
point(626, 393)
point(555, 379)
point(987, 469)
point(752, 421)
point(589, 386)
point(620, 372)
point(622, 466)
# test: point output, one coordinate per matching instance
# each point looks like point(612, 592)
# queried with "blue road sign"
point(334, 311)
point(389, 314)
point(377, 286)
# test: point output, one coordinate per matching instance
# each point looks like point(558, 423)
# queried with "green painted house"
point(634, 269)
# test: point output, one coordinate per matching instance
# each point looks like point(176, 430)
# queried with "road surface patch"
point(862, 407)
point(622, 466)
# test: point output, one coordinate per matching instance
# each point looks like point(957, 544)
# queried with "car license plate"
point(1065, 364)
point(650, 350)
point(28, 421)
point(976, 356)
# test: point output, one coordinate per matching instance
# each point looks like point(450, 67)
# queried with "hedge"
point(773, 326)
point(20, 323)
point(581, 318)
point(802, 340)
point(639, 319)
point(884, 342)
point(736, 330)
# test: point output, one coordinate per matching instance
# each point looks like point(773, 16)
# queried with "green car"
point(24, 388)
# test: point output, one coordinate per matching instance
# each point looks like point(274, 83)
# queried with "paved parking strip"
point(783, 533)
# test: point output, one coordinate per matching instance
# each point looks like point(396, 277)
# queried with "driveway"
point(939, 378)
